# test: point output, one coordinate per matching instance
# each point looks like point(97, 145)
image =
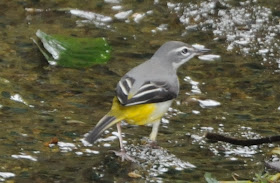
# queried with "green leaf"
point(73, 52)
point(209, 179)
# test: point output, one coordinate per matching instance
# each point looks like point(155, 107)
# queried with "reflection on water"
point(237, 94)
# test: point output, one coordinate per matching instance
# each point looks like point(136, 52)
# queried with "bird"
point(144, 94)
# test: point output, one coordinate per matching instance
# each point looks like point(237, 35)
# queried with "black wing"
point(149, 92)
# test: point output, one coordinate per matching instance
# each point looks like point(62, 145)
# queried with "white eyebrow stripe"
point(147, 92)
point(179, 49)
point(123, 88)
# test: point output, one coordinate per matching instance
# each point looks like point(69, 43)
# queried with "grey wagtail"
point(144, 94)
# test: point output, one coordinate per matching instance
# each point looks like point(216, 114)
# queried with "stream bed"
point(236, 94)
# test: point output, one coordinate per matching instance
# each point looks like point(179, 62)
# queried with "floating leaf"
point(275, 177)
point(209, 179)
point(276, 150)
point(73, 52)
point(134, 175)
point(236, 181)
point(54, 140)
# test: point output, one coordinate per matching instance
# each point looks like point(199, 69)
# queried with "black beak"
point(201, 51)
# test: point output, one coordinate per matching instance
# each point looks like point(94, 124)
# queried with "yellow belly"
point(139, 114)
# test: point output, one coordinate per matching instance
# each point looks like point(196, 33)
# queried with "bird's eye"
point(185, 51)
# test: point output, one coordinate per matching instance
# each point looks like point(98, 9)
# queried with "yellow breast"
point(140, 114)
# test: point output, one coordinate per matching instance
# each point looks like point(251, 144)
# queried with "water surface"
point(40, 102)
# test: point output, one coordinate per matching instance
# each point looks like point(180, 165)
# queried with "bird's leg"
point(122, 152)
point(154, 133)
point(120, 136)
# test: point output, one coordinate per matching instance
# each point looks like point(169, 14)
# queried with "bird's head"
point(177, 53)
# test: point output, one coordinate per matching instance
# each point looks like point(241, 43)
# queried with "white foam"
point(209, 57)
point(91, 16)
point(207, 128)
point(113, 1)
point(164, 121)
point(138, 17)
point(241, 151)
point(24, 156)
point(263, 51)
point(85, 143)
point(18, 98)
point(241, 42)
point(208, 103)
point(7, 175)
point(109, 138)
point(107, 145)
point(66, 146)
point(91, 151)
point(157, 161)
point(116, 7)
point(162, 27)
point(248, 29)
point(195, 85)
point(79, 153)
point(123, 15)
point(198, 46)
point(195, 112)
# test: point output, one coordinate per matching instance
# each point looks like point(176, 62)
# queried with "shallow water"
point(40, 102)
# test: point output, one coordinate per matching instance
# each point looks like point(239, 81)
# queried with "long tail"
point(106, 122)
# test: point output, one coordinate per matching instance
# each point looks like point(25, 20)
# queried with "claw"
point(124, 156)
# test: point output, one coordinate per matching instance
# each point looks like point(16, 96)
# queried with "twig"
point(242, 142)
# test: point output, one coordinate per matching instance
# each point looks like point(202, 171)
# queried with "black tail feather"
point(102, 125)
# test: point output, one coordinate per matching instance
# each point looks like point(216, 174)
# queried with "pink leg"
point(120, 136)
point(122, 152)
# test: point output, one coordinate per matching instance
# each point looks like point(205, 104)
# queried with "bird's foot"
point(123, 155)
